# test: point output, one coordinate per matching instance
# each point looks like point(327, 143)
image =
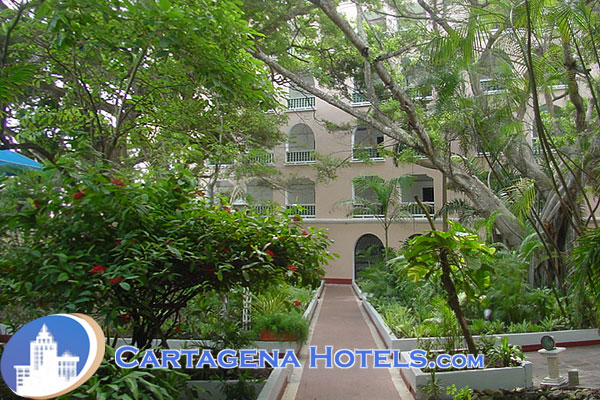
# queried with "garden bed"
point(282, 346)
point(478, 379)
point(528, 341)
point(270, 389)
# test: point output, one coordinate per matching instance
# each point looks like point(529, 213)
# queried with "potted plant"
point(288, 326)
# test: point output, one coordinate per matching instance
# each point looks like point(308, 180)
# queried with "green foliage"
point(242, 388)
point(381, 199)
point(434, 389)
point(511, 298)
point(284, 323)
point(505, 355)
point(470, 258)
point(415, 309)
point(162, 82)
point(585, 276)
point(113, 247)
point(271, 302)
point(111, 381)
point(400, 320)
point(463, 394)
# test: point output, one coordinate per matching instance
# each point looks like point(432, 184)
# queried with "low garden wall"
point(271, 389)
point(477, 379)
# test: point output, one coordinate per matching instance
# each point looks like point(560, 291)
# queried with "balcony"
point(358, 100)
point(414, 210)
point(221, 164)
point(360, 211)
point(303, 210)
point(492, 86)
point(263, 159)
point(300, 157)
point(301, 103)
point(363, 153)
point(263, 209)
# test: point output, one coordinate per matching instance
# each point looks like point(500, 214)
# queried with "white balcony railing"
point(264, 159)
point(301, 103)
point(360, 211)
point(263, 209)
point(359, 100)
point(304, 210)
point(416, 211)
point(367, 152)
point(300, 157)
point(221, 164)
point(492, 86)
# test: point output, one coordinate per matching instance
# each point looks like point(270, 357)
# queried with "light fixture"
point(548, 342)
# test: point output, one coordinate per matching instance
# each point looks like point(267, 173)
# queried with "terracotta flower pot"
point(268, 335)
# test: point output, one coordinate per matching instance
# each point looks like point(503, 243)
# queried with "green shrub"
point(116, 246)
point(290, 323)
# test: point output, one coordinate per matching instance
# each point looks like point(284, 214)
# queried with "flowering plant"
point(141, 249)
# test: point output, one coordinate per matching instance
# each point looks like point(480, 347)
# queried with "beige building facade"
point(327, 204)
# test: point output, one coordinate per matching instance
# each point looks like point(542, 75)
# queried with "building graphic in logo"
point(52, 355)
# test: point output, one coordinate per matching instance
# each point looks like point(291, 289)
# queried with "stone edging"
point(275, 384)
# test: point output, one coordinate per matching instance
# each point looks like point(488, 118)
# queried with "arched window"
point(301, 145)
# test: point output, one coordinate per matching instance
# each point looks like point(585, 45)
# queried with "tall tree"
point(130, 82)
point(488, 67)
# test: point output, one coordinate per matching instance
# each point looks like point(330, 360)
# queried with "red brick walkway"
point(341, 324)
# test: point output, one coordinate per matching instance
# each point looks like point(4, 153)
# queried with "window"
point(366, 142)
point(300, 145)
point(298, 98)
point(422, 188)
point(365, 204)
point(260, 196)
point(300, 197)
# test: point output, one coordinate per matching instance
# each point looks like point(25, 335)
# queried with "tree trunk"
point(454, 303)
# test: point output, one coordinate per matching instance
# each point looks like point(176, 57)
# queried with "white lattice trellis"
point(246, 308)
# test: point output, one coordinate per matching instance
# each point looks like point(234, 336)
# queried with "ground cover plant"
point(412, 301)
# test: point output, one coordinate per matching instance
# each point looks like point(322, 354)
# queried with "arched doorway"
point(368, 251)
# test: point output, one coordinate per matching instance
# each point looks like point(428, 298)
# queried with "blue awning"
point(15, 160)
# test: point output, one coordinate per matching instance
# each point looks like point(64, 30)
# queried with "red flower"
point(269, 252)
point(117, 242)
point(226, 209)
point(125, 318)
point(98, 269)
point(37, 204)
point(178, 328)
point(292, 268)
point(297, 303)
point(117, 280)
point(117, 182)
point(296, 218)
point(304, 233)
point(78, 195)
point(226, 251)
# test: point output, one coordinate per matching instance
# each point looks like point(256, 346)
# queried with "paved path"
point(585, 359)
point(342, 324)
